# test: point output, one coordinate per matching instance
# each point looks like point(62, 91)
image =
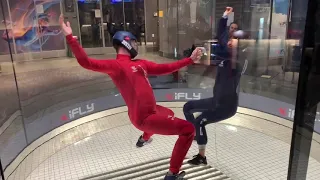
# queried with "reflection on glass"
point(90, 23)
point(5, 38)
point(134, 18)
point(12, 135)
point(54, 93)
point(47, 16)
point(33, 28)
point(123, 15)
point(314, 159)
point(194, 23)
point(113, 19)
point(23, 20)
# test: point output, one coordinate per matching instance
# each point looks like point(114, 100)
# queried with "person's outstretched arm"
point(167, 68)
point(105, 66)
point(222, 26)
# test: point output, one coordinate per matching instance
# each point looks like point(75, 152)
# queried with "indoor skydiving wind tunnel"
point(60, 121)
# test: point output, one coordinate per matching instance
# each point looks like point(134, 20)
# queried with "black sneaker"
point(141, 142)
point(198, 160)
point(175, 176)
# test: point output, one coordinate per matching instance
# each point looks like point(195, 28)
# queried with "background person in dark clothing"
point(224, 103)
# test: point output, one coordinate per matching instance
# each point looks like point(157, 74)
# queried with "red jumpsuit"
point(131, 78)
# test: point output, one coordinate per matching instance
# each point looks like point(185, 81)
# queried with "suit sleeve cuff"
point(225, 16)
point(69, 38)
point(189, 60)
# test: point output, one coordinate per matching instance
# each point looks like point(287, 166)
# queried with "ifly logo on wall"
point(289, 113)
point(183, 96)
point(78, 112)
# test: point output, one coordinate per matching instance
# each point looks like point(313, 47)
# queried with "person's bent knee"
point(189, 129)
point(233, 112)
point(187, 107)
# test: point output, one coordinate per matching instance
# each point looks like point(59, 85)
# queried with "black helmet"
point(124, 38)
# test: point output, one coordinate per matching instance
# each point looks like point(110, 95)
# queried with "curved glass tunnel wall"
point(54, 92)
point(183, 23)
point(12, 134)
point(272, 47)
point(50, 83)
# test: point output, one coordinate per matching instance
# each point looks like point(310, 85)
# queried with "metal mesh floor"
point(155, 170)
point(106, 146)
